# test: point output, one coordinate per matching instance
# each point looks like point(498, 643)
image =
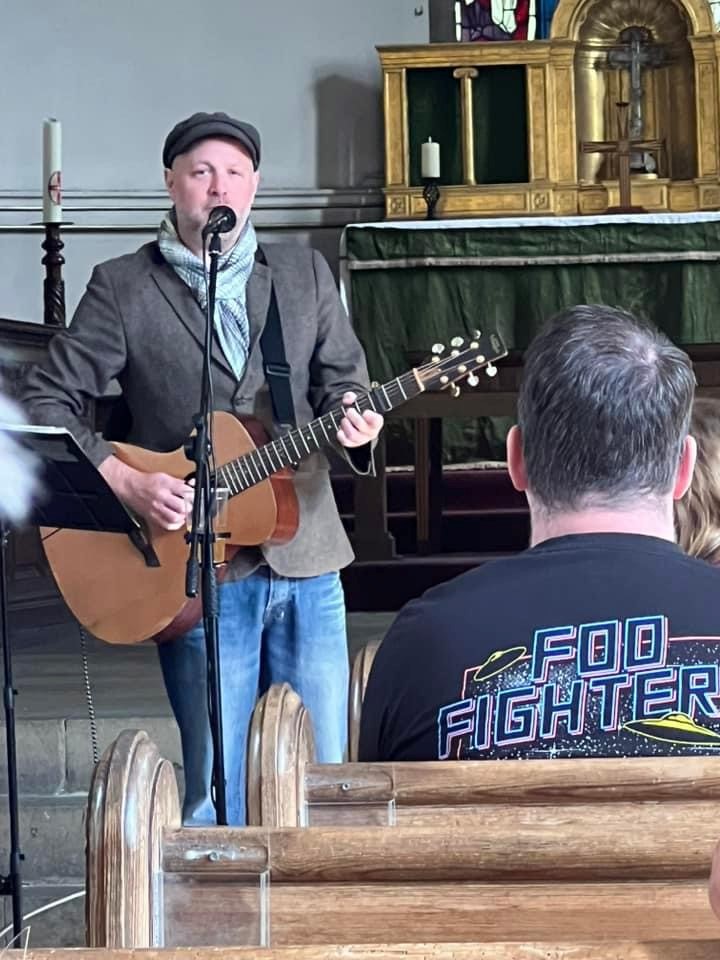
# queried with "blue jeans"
point(272, 629)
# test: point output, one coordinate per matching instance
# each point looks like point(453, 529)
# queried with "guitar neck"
point(287, 451)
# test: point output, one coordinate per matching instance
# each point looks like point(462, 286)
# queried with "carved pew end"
point(133, 797)
point(280, 744)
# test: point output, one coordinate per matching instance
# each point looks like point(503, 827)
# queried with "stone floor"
point(125, 681)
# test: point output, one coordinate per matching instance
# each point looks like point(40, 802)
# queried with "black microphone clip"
point(221, 220)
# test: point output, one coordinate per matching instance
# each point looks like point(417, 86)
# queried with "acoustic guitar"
point(127, 589)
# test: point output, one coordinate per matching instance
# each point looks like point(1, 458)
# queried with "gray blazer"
point(139, 323)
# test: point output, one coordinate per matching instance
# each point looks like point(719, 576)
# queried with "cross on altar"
point(622, 148)
point(636, 53)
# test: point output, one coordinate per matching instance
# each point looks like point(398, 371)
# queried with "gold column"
point(466, 75)
point(590, 101)
point(537, 122)
point(397, 160)
point(562, 132)
point(706, 88)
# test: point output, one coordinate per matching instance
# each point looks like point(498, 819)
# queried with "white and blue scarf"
point(234, 269)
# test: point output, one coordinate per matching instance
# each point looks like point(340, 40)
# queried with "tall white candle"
point(52, 171)
point(430, 159)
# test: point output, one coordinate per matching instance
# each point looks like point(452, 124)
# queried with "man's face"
point(213, 172)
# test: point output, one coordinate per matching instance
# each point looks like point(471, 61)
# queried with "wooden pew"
point(532, 867)
point(672, 950)
point(286, 788)
point(359, 674)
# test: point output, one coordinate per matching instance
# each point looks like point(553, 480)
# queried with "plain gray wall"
point(120, 73)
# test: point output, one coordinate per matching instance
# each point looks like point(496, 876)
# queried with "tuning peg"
point(473, 380)
point(491, 370)
point(438, 347)
point(455, 390)
point(456, 342)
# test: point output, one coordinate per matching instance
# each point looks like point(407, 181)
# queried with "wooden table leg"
point(371, 538)
point(435, 485)
point(428, 484)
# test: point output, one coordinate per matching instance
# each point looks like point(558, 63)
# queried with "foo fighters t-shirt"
point(591, 645)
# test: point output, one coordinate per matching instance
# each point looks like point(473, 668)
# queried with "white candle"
point(52, 171)
point(430, 159)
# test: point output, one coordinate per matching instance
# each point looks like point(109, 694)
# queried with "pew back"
point(286, 787)
point(627, 950)
point(626, 867)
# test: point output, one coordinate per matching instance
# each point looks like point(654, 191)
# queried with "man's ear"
point(686, 468)
point(169, 180)
point(516, 460)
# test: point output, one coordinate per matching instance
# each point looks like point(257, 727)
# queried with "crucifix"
point(637, 51)
point(622, 148)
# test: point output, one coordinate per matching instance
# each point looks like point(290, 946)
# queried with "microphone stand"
point(201, 538)
point(10, 885)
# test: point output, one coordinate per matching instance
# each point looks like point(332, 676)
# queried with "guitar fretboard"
point(287, 451)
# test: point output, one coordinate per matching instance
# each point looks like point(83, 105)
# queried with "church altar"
point(535, 126)
point(411, 284)
point(408, 285)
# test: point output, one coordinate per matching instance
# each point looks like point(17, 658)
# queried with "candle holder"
point(53, 285)
point(431, 195)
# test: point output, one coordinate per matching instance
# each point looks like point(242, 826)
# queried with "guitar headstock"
point(462, 362)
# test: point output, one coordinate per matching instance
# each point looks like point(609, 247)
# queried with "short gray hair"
point(604, 409)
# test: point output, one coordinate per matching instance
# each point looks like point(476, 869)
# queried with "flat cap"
point(200, 126)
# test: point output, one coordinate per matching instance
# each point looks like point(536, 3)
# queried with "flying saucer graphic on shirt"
point(674, 728)
point(498, 661)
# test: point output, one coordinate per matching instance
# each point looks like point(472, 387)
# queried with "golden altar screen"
point(516, 120)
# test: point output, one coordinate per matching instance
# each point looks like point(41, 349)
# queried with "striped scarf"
point(234, 269)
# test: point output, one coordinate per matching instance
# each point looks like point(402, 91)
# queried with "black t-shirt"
point(592, 645)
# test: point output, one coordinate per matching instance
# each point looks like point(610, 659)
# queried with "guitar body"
point(105, 580)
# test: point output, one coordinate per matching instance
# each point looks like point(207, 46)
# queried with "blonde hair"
point(697, 515)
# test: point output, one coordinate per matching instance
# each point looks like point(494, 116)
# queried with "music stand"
point(74, 495)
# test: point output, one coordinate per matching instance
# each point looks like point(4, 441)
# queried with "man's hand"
point(161, 499)
point(357, 429)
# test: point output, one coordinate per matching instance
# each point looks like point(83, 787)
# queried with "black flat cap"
point(200, 126)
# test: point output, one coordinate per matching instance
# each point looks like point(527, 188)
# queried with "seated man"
point(603, 638)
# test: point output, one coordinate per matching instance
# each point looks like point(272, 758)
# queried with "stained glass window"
point(506, 19)
point(495, 20)
point(715, 5)
point(546, 9)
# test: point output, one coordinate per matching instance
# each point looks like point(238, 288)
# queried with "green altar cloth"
point(411, 284)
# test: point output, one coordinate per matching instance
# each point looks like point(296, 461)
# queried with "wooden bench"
point(359, 674)
point(619, 868)
point(673, 950)
point(287, 788)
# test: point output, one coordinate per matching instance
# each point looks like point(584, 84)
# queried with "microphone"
point(221, 220)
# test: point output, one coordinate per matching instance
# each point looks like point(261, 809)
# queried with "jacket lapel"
point(186, 308)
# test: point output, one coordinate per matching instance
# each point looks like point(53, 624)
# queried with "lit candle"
point(430, 159)
point(52, 175)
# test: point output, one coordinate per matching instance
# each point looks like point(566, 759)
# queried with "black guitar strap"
point(277, 369)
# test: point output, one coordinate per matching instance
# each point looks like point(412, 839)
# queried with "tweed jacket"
point(139, 323)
